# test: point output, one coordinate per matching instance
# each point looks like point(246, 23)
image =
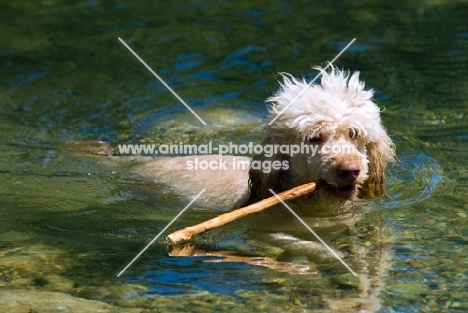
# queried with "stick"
point(188, 232)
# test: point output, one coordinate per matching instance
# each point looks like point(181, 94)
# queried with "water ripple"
point(412, 180)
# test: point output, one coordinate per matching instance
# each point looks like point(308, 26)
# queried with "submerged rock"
point(411, 291)
point(58, 283)
point(348, 280)
point(23, 301)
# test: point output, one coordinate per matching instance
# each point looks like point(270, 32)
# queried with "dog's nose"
point(348, 170)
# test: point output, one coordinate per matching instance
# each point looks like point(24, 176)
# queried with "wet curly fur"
point(337, 112)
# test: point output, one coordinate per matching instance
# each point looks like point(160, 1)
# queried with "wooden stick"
point(188, 232)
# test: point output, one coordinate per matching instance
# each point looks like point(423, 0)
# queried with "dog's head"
point(337, 128)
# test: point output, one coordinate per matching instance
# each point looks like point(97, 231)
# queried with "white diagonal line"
point(313, 233)
point(161, 232)
point(163, 82)
point(313, 80)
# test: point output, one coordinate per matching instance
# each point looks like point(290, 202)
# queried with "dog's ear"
point(379, 154)
point(263, 177)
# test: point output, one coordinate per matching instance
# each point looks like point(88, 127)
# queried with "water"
point(70, 223)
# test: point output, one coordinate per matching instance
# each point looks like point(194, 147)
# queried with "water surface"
point(70, 223)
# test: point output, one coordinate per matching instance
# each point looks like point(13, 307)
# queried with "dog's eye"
point(353, 133)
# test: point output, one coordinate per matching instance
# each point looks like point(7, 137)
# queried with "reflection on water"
point(71, 223)
point(188, 275)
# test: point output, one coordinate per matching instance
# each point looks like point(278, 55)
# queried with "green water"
point(71, 223)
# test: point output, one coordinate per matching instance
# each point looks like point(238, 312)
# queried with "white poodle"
point(338, 119)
